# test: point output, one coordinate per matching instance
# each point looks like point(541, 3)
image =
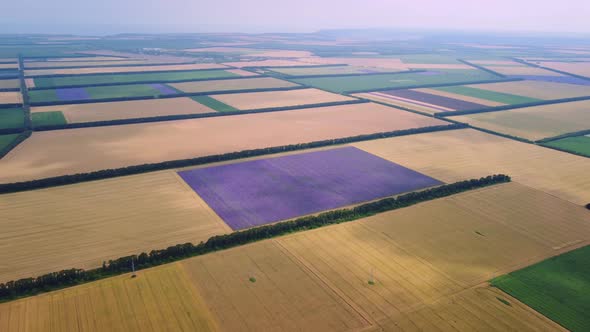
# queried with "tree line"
point(65, 278)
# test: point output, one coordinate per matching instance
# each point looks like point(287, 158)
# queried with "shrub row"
point(481, 68)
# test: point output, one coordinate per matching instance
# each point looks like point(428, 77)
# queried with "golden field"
point(96, 70)
point(401, 102)
point(76, 113)
point(269, 99)
point(266, 63)
point(460, 97)
point(84, 224)
point(8, 65)
point(11, 97)
point(59, 152)
point(537, 89)
point(236, 84)
point(241, 72)
point(577, 68)
point(522, 70)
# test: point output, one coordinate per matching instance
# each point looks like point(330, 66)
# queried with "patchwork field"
point(454, 155)
point(534, 90)
point(536, 122)
point(558, 288)
point(577, 68)
point(263, 191)
point(227, 85)
point(77, 113)
point(424, 100)
point(9, 84)
point(484, 94)
point(332, 70)
point(100, 92)
point(83, 225)
point(118, 146)
point(11, 118)
point(577, 144)
point(90, 70)
point(266, 63)
point(11, 97)
point(270, 99)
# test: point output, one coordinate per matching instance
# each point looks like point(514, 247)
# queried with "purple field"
point(68, 94)
point(556, 79)
point(259, 192)
point(164, 89)
point(455, 104)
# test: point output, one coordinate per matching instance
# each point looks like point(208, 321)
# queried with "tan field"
point(389, 63)
point(8, 65)
point(315, 70)
point(71, 151)
point(241, 72)
point(11, 97)
point(284, 54)
point(523, 70)
point(90, 58)
point(496, 62)
point(577, 68)
point(255, 100)
point(266, 63)
point(75, 71)
point(438, 66)
point(413, 105)
point(9, 84)
point(537, 89)
point(459, 154)
point(460, 97)
point(76, 113)
point(237, 84)
point(45, 64)
point(536, 122)
point(84, 224)
point(253, 52)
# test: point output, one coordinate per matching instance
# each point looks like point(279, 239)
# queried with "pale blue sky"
point(83, 16)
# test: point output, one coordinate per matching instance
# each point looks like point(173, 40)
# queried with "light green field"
point(500, 97)
point(100, 92)
point(577, 144)
point(48, 119)
point(11, 118)
point(214, 104)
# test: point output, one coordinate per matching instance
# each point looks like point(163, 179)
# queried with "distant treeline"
point(65, 278)
point(19, 139)
point(161, 118)
point(137, 169)
point(434, 85)
point(481, 68)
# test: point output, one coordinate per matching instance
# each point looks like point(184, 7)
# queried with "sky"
point(151, 16)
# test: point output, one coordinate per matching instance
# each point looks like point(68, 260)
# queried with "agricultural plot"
point(577, 144)
point(65, 64)
point(522, 70)
point(254, 193)
point(557, 287)
point(5, 140)
point(392, 64)
point(527, 90)
point(435, 102)
point(270, 99)
point(11, 97)
point(83, 59)
point(132, 69)
point(8, 66)
point(118, 146)
point(459, 154)
point(228, 85)
point(536, 122)
point(82, 225)
point(252, 52)
point(9, 84)
point(267, 63)
point(382, 82)
point(53, 118)
point(499, 97)
point(331, 70)
point(214, 104)
point(11, 118)
point(576, 68)
point(91, 112)
point(100, 92)
point(48, 82)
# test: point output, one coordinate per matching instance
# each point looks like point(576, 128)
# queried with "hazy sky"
point(109, 16)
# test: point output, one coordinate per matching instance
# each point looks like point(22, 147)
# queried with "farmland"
point(227, 85)
point(125, 145)
point(96, 70)
point(331, 70)
point(500, 97)
point(533, 89)
point(256, 100)
point(577, 68)
point(10, 98)
point(11, 118)
point(9, 84)
point(5, 140)
point(100, 92)
point(576, 144)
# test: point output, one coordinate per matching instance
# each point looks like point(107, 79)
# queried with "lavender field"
point(258, 192)
point(69, 94)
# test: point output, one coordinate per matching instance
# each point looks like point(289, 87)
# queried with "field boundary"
point(481, 68)
point(572, 134)
point(551, 69)
point(434, 85)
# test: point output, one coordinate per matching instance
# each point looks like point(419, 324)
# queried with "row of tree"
point(65, 278)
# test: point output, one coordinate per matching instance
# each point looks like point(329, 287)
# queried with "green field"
point(381, 82)
point(5, 140)
point(48, 119)
point(558, 287)
point(80, 80)
point(577, 144)
point(11, 118)
point(499, 97)
point(214, 104)
point(100, 92)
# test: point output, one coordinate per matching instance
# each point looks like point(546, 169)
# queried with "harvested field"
point(258, 192)
point(76, 71)
point(8, 65)
point(459, 154)
point(577, 144)
point(227, 85)
point(387, 99)
point(437, 66)
point(86, 58)
point(82, 225)
point(30, 82)
point(253, 52)
point(11, 97)
point(12, 118)
point(9, 84)
point(502, 63)
point(241, 72)
point(118, 146)
point(269, 99)
point(536, 122)
point(77, 113)
point(266, 63)
point(536, 89)
point(431, 99)
point(161, 299)
point(576, 68)
point(523, 70)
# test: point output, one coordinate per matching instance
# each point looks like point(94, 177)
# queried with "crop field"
point(536, 122)
point(451, 156)
point(227, 85)
point(252, 52)
point(270, 99)
point(557, 287)
point(494, 96)
point(82, 225)
point(381, 82)
point(332, 70)
point(437, 102)
point(267, 63)
point(9, 84)
point(100, 92)
point(118, 146)
point(11, 97)
point(263, 191)
point(576, 68)
point(48, 82)
point(82, 59)
point(392, 64)
point(60, 64)
point(131, 69)
point(577, 144)
point(531, 89)
point(11, 118)
point(53, 118)
point(5, 140)
point(523, 70)
point(8, 65)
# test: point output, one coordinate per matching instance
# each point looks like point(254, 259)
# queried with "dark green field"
point(499, 97)
point(5, 140)
point(81, 80)
point(48, 119)
point(342, 84)
point(577, 144)
point(558, 287)
point(11, 118)
point(100, 92)
point(214, 104)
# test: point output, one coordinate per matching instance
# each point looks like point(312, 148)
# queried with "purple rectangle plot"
point(258, 192)
point(68, 94)
point(164, 89)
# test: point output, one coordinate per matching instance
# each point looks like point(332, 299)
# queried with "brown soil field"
point(537, 89)
point(383, 98)
point(523, 70)
point(241, 72)
point(237, 84)
point(42, 64)
point(460, 97)
point(254, 100)
point(160, 299)
point(75, 71)
point(535, 123)
point(460, 154)
point(84, 224)
point(71, 151)
point(577, 68)
point(266, 63)
point(11, 97)
point(76, 113)
point(390, 63)
point(9, 84)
